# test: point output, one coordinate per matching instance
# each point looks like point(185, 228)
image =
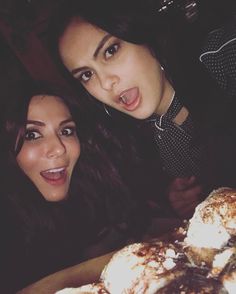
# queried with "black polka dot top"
point(219, 56)
point(180, 152)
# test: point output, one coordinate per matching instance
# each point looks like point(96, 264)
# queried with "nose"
point(108, 80)
point(55, 148)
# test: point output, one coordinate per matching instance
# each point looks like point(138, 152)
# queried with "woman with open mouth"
point(118, 54)
point(59, 205)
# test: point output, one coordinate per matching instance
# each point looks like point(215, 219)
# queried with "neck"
point(181, 116)
point(167, 97)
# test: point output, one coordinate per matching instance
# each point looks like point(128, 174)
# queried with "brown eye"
point(110, 51)
point(32, 135)
point(68, 131)
point(86, 76)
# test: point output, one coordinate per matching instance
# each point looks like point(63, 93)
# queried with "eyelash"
point(72, 131)
point(83, 78)
point(114, 47)
point(28, 133)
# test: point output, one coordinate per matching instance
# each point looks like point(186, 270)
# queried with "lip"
point(55, 176)
point(134, 99)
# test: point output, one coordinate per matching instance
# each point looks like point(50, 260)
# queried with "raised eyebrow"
point(67, 121)
point(35, 122)
point(95, 54)
point(41, 124)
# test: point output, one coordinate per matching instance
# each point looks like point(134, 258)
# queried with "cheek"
point(144, 60)
point(94, 88)
point(151, 73)
point(27, 158)
point(135, 67)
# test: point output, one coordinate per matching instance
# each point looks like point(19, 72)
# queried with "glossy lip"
point(135, 101)
point(58, 181)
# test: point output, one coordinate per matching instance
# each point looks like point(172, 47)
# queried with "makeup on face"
point(51, 147)
point(121, 74)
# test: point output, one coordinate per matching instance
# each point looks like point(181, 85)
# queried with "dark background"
point(23, 34)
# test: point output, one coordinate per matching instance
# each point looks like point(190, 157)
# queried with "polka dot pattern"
point(181, 157)
point(219, 57)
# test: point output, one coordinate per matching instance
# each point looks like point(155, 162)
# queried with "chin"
point(56, 197)
point(142, 114)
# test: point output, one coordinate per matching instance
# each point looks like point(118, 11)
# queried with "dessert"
point(228, 276)
point(195, 281)
point(143, 268)
point(94, 288)
point(211, 227)
point(198, 258)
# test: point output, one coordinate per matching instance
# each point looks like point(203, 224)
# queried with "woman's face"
point(51, 147)
point(123, 75)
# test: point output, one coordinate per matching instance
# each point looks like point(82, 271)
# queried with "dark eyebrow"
point(101, 44)
point(41, 124)
point(66, 121)
point(95, 54)
point(35, 122)
point(77, 70)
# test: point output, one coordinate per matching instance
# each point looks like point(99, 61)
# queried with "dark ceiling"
point(30, 18)
point(28, 56)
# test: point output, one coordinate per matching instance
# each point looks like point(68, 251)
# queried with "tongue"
point(131, 95)
point(52, 176)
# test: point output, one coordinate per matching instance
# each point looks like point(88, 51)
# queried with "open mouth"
point(123, 99)
point(130, 99)
point(55, 175)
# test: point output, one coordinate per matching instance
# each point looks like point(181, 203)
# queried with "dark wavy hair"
point(133, 22)
point(101, 151)
point(140, 23)
point(101, 197)
point(136, 23)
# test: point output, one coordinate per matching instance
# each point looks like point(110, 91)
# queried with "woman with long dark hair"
point(63, 198)
point(122, 55)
